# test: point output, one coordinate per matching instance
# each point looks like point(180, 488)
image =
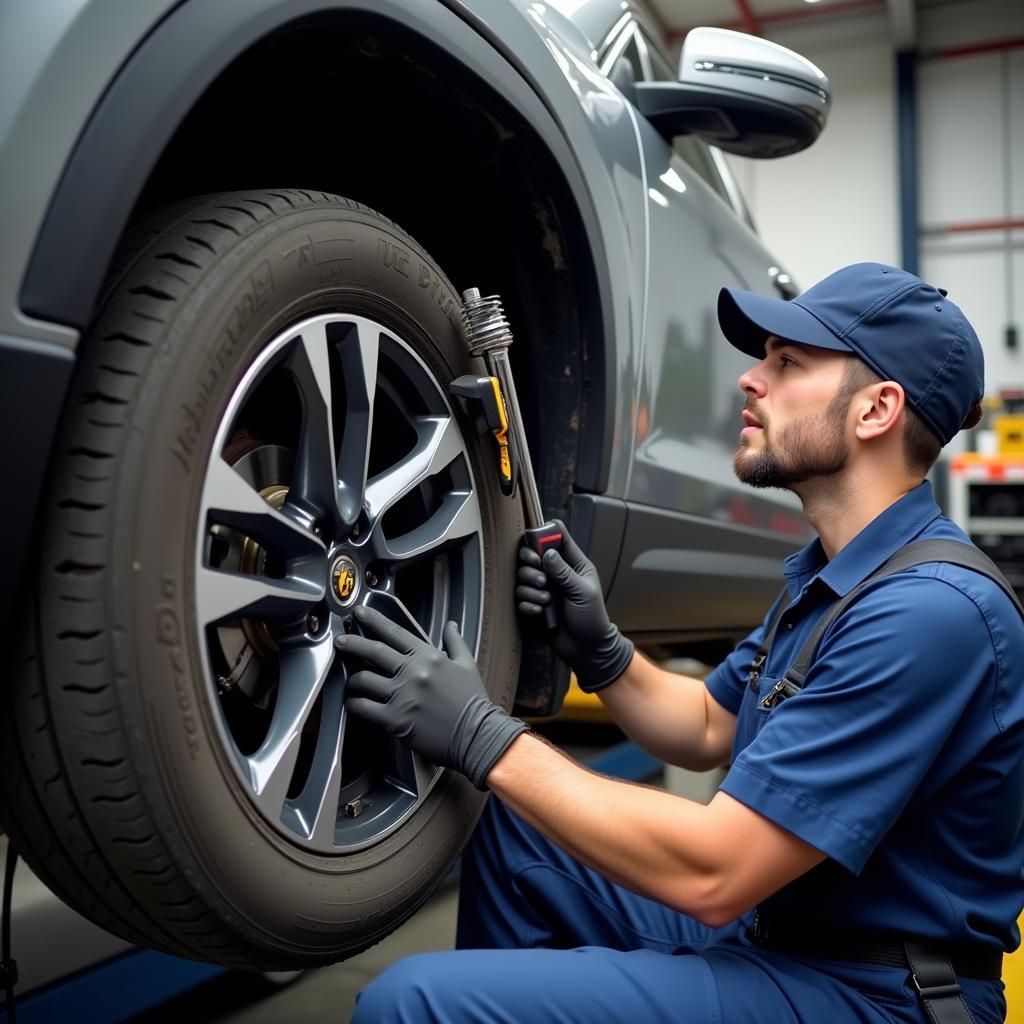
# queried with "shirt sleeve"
point(836, 763)
point(728, 681)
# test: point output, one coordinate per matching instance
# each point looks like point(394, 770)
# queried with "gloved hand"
point(435, 703)
point(585, 639)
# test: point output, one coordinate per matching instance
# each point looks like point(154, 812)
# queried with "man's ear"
point(879, 408)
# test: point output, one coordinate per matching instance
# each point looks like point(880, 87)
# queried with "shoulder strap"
point(769, 638)
point(919, 553)
point(956, 553)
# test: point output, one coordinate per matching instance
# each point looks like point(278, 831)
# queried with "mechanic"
point(880, 803)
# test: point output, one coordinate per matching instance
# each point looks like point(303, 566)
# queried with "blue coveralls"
point(902, 759)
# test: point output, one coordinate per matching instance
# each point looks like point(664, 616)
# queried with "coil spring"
point(486, 326)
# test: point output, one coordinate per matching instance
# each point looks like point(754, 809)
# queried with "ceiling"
point(762, 17)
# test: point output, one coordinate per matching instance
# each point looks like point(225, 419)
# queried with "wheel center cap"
point(344, 580)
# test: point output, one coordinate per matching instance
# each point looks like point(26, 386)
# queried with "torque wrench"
point(489, 337)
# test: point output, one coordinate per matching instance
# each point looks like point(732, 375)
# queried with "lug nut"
point(355, 530)
point(372, 578)
point(349, 624)
point(314, 623)
point(354, 808)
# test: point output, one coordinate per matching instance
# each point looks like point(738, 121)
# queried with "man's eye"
point(786, 361)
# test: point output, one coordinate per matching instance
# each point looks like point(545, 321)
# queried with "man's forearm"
point(645, 839)
point(668, 715)
point(712, 862)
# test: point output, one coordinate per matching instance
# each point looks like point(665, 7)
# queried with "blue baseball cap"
point(905, 329)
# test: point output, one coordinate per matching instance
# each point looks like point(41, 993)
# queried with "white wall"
point(835, 203)
point(971, 121)
point(838, 202)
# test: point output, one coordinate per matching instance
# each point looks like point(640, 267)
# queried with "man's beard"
point(803, 451)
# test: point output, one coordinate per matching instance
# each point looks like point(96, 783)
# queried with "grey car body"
point(607, 242)
point(95, 101)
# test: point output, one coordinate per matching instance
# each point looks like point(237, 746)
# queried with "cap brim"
point(748, 319)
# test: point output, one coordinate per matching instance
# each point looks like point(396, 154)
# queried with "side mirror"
point(740, 93)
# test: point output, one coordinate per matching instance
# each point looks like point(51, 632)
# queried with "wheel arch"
point(502, 171)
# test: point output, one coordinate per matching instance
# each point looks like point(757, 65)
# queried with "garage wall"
point(971, 168)
point(835, 203)
point(838, 202)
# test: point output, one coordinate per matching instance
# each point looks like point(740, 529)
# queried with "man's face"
point(795, 417)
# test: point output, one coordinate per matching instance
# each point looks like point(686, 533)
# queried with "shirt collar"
point(875, 544)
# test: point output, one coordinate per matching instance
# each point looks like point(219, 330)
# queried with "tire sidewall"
point(276, 275)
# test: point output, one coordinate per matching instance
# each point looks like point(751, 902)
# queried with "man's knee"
point(410, 991)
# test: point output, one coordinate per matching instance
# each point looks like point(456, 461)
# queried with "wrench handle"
point(541, 539)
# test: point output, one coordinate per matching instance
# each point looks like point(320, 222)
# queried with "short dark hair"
point(921, 447)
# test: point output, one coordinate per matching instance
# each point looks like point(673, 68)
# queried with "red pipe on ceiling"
point(789, 14)
point(974, 48)
point(747, 18)
point(968, 226)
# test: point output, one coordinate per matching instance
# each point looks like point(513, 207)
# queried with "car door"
point(692, 527)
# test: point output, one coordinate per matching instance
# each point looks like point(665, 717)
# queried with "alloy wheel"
point(338, 477)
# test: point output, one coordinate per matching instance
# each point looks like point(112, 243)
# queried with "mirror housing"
point(740, 93)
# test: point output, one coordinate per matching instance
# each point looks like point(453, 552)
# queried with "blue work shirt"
point(902, 758)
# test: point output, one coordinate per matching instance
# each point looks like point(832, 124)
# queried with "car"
point(227, 418)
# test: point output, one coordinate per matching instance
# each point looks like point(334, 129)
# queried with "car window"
point(736, 200)
point(622, 62)
point(707, 161)
point(660, 69)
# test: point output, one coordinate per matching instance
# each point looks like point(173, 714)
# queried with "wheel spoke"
point(439, 443)
point(413, 774)
point(229, 500)
point(316, 808)
point(454, 522)
point(221, 595)
point(303, 671)
point(315, 481)
point(359, 350)
point(395, 609)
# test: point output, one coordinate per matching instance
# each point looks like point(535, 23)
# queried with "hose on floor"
point(8, 967)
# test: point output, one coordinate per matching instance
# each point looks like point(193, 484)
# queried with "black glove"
point(435, 703)
point(585, 639)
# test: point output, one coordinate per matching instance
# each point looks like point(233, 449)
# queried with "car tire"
point(125, 781)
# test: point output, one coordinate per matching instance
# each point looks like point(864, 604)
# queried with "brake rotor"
point(248, 648)
point(253, 561)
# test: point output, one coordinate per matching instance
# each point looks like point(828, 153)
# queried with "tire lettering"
point(438, 292)
point(393, 255)
point(329, 274)
point(303, 252)
point(326, 250)
point(168, 633)
point(251, 298)
point(386, 904)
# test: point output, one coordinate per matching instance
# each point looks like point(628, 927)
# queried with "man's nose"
point(752, 382)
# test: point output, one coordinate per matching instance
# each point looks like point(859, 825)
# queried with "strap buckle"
point(780, 691)
point(755, 670)
point(932, 973)
point(935, 991)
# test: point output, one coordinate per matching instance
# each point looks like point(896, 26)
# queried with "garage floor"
point(326, 996)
